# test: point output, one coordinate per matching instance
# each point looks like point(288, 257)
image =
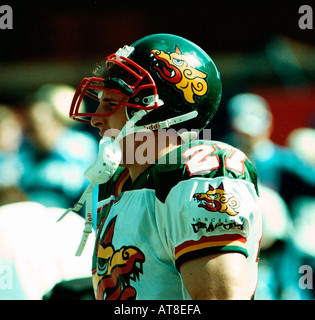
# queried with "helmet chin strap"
point(105, 165)
point(107, 161)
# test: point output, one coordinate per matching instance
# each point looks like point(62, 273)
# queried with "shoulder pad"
point(202, 158)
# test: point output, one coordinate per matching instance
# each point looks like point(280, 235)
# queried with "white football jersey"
point(203, 203)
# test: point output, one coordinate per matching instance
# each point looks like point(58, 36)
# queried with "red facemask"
point(122, 76)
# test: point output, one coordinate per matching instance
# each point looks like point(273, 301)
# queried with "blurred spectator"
point(304, 238)
point(280, 257)
point(302, 141)
point(36, 252)
point(11, 164)
point(55, 154)
point(278, 167)
point(286, 175)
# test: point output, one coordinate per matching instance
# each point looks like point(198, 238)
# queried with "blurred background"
point(267, 68)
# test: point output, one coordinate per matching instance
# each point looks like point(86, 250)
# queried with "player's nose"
point(97, 121)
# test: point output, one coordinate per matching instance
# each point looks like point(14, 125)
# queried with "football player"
point(177, 217)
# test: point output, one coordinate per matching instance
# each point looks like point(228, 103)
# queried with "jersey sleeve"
point(202, 216)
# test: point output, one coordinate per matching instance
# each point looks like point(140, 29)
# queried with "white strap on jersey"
point(88, 198)
point(88, 221)
point(105, 165)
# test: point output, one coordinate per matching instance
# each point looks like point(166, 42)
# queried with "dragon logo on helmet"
point(180, 70)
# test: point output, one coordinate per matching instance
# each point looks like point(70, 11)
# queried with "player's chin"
point(110, 133)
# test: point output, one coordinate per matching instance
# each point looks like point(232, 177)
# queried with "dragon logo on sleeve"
point(116, 268)
point(218, 200)
point(179, 69)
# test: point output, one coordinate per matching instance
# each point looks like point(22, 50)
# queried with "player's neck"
point(148, 152)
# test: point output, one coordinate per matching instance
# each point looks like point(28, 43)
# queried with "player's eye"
point(112, 104)
point(108, 106)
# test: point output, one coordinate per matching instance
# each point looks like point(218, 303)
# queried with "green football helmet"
point(172, 79)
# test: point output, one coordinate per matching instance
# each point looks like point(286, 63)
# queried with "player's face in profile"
point(114, 120)
point(109, 102)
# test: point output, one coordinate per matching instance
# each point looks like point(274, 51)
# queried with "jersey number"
point(203, 160)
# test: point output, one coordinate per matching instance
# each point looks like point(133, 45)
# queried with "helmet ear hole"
point(130, 112)
point(145, 98)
